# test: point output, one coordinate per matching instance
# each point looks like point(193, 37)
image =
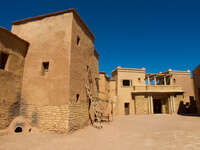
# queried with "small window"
point(139, 79)
point(97, 83)
point(87, 68)
point(45, 67)
point(78, 41)
point(126, 83)
point(3, 60)
point(18, 130)
point(174, 80)
point(77, 97)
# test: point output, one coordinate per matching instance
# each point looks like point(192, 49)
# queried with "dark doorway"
point(3, 60)
point(18, 130)
point(126, 108)
point(157, 106)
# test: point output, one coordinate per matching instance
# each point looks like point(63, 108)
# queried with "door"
point(157, 106)
point(126, 108)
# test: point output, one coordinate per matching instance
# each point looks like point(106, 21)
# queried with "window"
point(139, 79)
point(45, 67)
point(174, 80)
point(78, 41)
point(126, 82)
point(3, 60)
point(87, 68)
point(77, 97)
point(97, 83)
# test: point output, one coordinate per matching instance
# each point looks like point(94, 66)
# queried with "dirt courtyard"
point(154, 132)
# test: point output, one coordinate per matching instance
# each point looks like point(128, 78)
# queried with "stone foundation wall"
point(10, 86)
point(8, 111)
point(60, 119)
point(51, 118)
point(79, 116)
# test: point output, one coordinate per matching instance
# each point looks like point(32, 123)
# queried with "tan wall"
point(141, 104)
point(113, 95)
point(125, 93)
point(10, 92)
point(186, 82)
point(54, 39)
point(104, 87)
point(83, 71)
point(11, 76)
point(45, 98)
point(196, 77)
point(177, 102)
point(49, 40)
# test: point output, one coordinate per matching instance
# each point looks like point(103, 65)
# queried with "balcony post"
point(149, 102)
point(165, 80)
point(172, 104)
point(155, 80)
point(148, 80)
point(151, 99)
point(170, 80)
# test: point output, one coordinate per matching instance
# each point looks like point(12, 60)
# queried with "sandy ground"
point(156, 132)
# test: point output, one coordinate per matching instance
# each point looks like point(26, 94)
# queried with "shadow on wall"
point(188, 109)
point(14, 109)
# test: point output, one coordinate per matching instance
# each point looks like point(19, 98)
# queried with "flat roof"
point(54, 14)
point(12, 34)
point(129, 69)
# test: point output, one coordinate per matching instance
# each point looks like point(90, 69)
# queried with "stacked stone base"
point(60, 119)
point(8, 111)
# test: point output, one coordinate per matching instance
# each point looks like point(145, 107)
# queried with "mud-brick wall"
point(8, 111)
point(177, 103)
point(10, 86)
point(141, 105)
point(79, 116)
point(47, 117)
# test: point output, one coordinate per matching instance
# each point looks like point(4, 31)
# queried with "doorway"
point(126, 108)
point(157, 106)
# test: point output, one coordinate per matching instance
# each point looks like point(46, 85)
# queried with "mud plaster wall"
point(50, 40)
point(83, 71)
point(186, 82)
point(10, 88)
point(45, 98)
point(47, 117)
point(141, 104)
point(196, 77)
point(11, 77)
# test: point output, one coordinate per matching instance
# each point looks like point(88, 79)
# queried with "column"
point(172, 104)
point(170, 80)
point(148, 80)
point(165, 82)
point(155, 80)
point(151, 101)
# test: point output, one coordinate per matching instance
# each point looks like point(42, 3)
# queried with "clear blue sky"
point(155, 34)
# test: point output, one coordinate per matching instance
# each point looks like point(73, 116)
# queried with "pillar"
point(170, 80)
point(171, 103)
point(148, 80)
point(150, 99)
point(155, 80)
point(165, 82)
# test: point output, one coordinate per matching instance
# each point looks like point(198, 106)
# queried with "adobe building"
point(48, 89)
point(50, 80)
point(13, 51)
point(61, 61)
point(133, 91)
point(196, 77)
